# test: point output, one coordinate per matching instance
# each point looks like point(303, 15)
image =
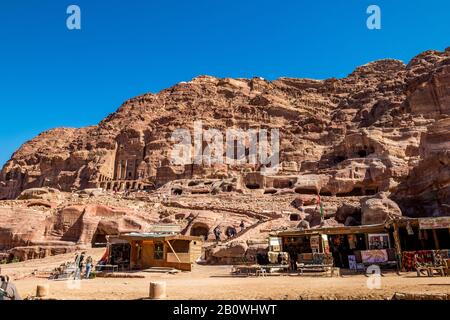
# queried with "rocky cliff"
point(381, 128)
point(373, 144)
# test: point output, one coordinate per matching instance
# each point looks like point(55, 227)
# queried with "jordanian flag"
point(319, 203)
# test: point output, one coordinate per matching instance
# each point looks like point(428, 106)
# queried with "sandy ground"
point(215, 282)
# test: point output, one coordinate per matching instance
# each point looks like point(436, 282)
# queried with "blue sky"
point(52, 77)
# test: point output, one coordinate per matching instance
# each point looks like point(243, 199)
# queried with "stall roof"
point(334, 230)
point(157, 236)
point(422, 222)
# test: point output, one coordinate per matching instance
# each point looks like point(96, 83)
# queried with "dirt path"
point(215, 282)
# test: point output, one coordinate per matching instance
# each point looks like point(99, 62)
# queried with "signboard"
point(315, 243)
point(379, 241)
point(352, 262)
point(374, 256)
point(434, 223)
point(275, 244)
point(326, 245)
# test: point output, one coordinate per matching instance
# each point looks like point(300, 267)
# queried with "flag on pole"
point(319, 203)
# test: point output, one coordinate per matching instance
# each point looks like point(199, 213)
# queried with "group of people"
point(231, 232)
point(79, 263)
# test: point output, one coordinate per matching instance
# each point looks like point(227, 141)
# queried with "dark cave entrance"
point(200, 231)
point(177, 192)
point(99, 239)
point(305, 191)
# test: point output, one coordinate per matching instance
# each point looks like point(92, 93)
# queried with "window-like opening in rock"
point(356, 192)
point(99, 239)
point(200, 191)
point(325, 193)
point(270, 191)
point(362, 153)
point(338, 159)
point(280, 184)
point(294, 217)
point(305, 191)
point(253, 186)
point(200, 231)
point(371, 192)
point(177, 192)
point(179, 216)
point(193, 183)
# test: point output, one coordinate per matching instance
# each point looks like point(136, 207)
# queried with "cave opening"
point(356, 192)
point(362, 153)
point(305, 191)
point(177, 192)
point(371, 192)
point(200, 231)
point(281, 184)
point(99, 239)
point(253, 186)
point(339, 159)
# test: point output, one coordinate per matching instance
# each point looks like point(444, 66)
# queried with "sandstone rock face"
point(426, 191)
point(355, 135)
point(376, 209)
point(383, 128)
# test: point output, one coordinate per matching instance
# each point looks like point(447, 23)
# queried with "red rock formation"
point(383, 128)
point(359, 133)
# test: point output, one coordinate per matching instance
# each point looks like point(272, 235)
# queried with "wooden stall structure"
point(352, 247)
point(423, 239)
point(169, 250)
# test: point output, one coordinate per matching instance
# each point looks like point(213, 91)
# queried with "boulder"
point(376, 209)
point(347, 210)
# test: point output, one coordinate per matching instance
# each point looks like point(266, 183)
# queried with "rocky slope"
point(383, 128)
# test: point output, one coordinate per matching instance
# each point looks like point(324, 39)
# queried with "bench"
point(112, 267)
point(316, 268)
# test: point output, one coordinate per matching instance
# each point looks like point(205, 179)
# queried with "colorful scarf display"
point(424, 257)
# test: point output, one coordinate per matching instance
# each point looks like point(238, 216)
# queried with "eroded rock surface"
point(383, 128)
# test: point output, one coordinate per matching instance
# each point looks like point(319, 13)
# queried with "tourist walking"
point(88, 267)
point(242, 225)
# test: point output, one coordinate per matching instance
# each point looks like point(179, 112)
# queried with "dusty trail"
point(215, 282)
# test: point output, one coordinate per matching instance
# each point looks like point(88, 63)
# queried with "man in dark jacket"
point(217, 233)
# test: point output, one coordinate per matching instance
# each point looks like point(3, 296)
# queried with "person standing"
point(88, 267)
point(293, 256)
point(79, 265)
point(77, 269)
point(217, 233)
point(242, 225)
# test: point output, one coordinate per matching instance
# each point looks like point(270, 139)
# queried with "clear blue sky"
point(52, 77)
